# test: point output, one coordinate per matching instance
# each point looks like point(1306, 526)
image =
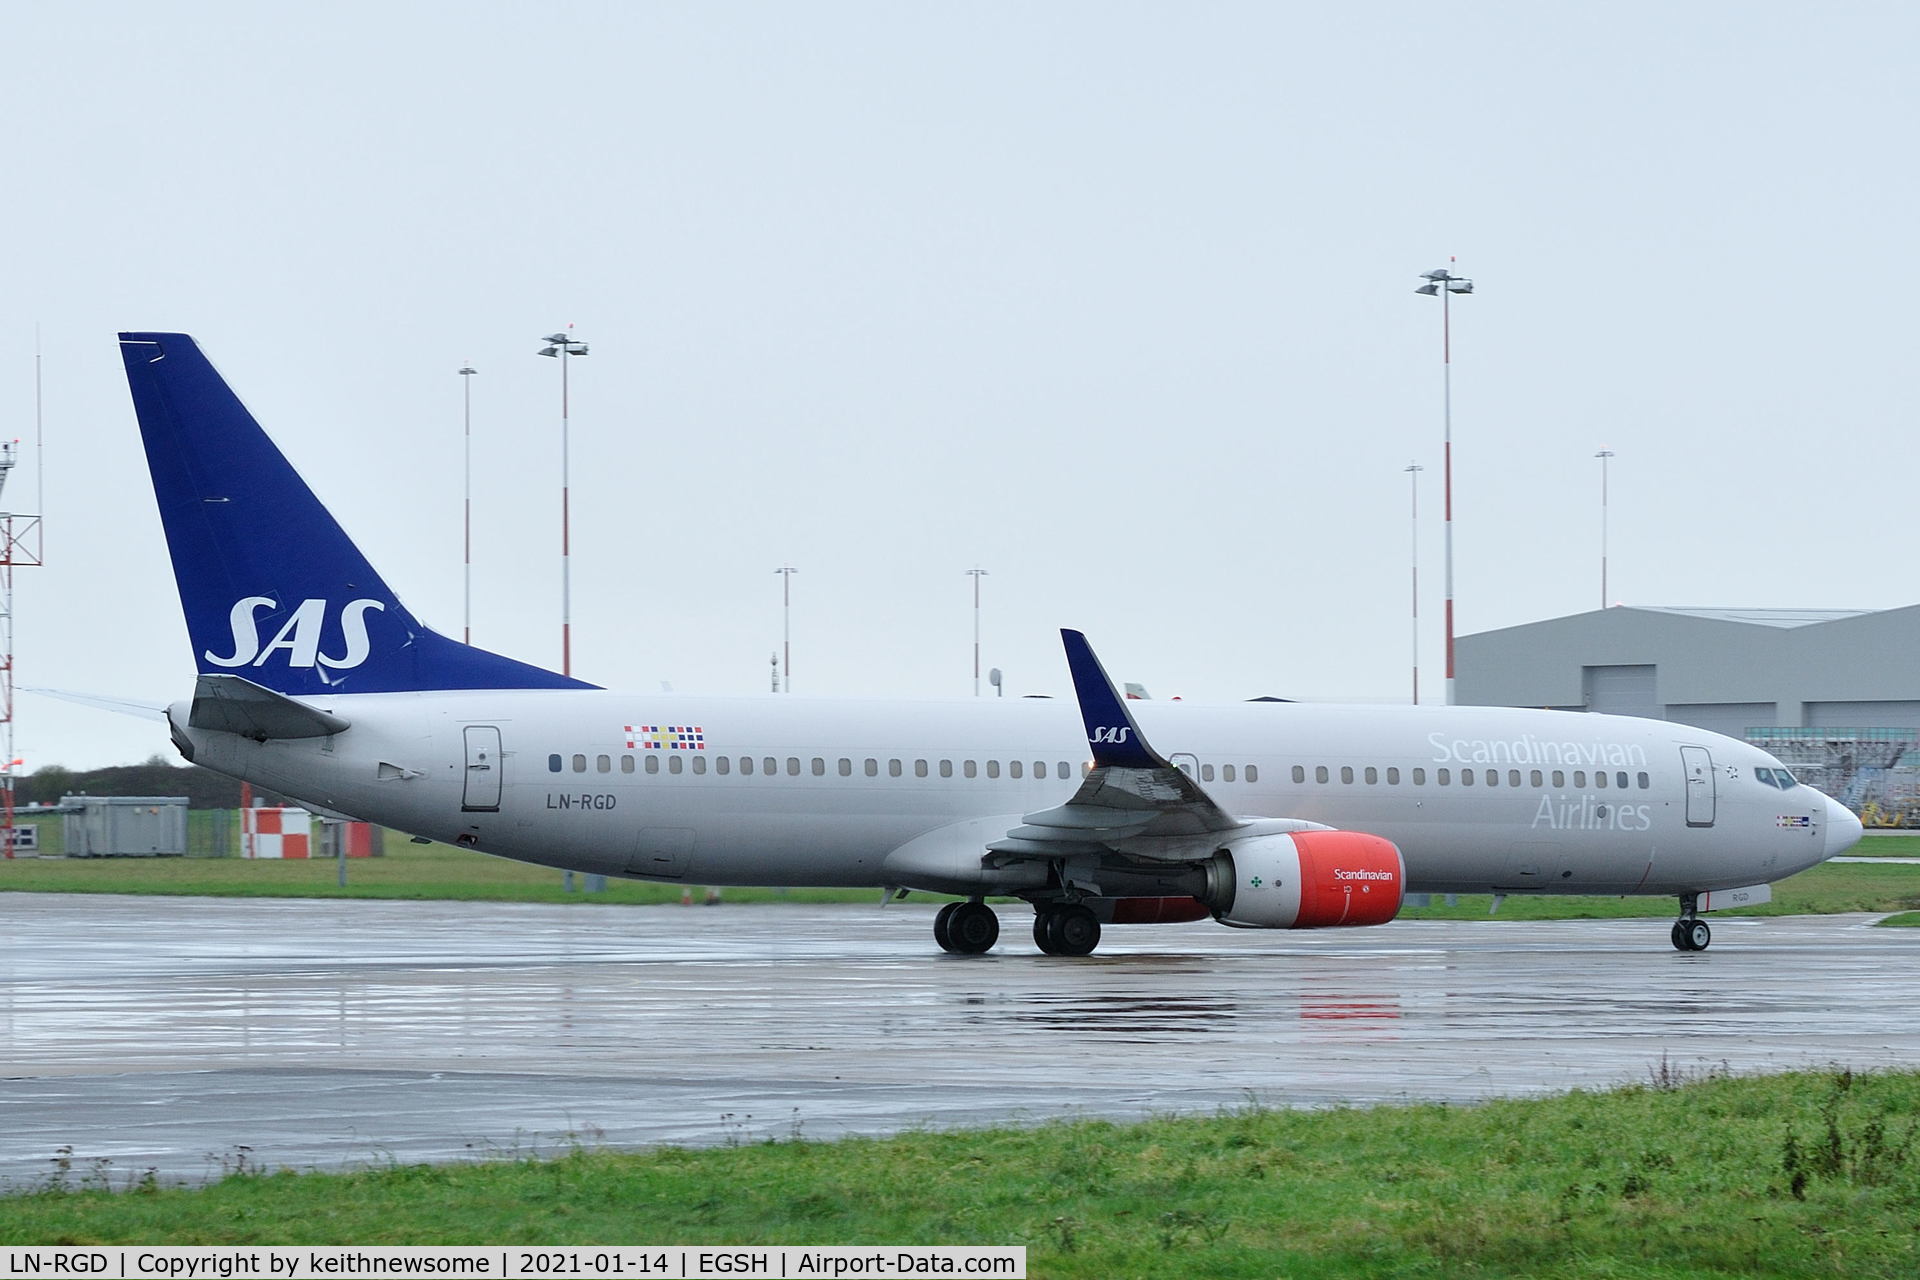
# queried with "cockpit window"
point(1764, 776)
point(1776, 778)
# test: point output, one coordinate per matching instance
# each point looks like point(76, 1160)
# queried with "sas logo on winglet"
point(1110, 735)
point(299, 636)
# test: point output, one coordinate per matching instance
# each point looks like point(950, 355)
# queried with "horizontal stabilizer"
point(230, 704)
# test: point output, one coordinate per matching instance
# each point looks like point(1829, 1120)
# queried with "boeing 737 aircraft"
point(316, 681)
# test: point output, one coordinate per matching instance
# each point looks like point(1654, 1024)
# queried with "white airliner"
point(316, 681)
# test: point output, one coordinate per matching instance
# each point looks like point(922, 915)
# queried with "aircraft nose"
point(1843, 829)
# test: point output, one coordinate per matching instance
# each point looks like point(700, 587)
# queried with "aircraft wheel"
point(1679, 936)
point(1699, 936)
point(1066, 931)
point(941, 925)
point(972, 929)
point(1077, 931)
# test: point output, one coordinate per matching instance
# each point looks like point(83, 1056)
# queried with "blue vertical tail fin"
point(273, 588)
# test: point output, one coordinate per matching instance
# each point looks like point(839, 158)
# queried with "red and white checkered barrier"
point(275, 833)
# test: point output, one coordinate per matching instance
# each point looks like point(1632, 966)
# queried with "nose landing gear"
point(1690, 932)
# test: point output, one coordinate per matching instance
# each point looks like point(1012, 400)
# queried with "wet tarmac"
point(187, 1034)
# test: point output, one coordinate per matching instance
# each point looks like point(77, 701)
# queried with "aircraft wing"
point(1134, 802)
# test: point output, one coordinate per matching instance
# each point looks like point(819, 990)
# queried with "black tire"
point(941, 922)
point(1699, 936)
point(1680, 942)
point(972, 928)
point(1045, 924)
point(1075, 932)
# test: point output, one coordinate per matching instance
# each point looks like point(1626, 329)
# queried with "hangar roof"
point(1759, 617)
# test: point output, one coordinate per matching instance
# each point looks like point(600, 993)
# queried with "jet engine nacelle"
point(1306, 880)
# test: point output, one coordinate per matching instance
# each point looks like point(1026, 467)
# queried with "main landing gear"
point(1690, 932)
point(966, 928)
point(1059, 929)
point(1066, 929)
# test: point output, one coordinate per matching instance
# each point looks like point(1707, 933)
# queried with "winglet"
point(1112, 735)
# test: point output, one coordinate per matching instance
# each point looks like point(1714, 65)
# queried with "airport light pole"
point(562, 346)
point(466, 539)
point(786, 572)
point(976, 574)
point(1604, 455)
point(1413, 474)
point(1443, 284)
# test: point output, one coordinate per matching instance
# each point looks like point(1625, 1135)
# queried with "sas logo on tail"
point(299, 636)
point(1110, 734)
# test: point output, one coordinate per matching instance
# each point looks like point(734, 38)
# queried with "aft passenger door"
point(482, 792)
point(1698, 767)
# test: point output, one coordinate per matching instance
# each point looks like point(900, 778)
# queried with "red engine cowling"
point(1308, 880)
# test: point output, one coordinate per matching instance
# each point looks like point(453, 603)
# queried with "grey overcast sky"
point(1114, 300)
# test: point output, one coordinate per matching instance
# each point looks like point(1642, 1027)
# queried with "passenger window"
point(1228, 773)
point(626, 764)
point(993, 768)
point(1580, 778)
point(872, 767)
point(1346, 774)
point(1299, 772)
point(1600, 779)
point(746, 764)
point(603, 764)
point(1039, 768)
point(1442, 777)
point(1206, 773)
point(893, 768)
point(969, 768)
point(1620, 780)
point(579, 764)
point(675, 764)
point(919, 768)
point(699, 764)
point(819, 767)
point(1419, 777)
point(653, 764)
point(793, 766)
point(553, 764)
point(1393, 777)
point(1534, 778)
point(846, 767)
point(1559, 777)
point(1062, 770)
point(1319, 773)
point(1013, 768)
point(1644, 781)
point(769, 766)
point(1373, 776)
point(946, 768)
point(1513, 777)
point(1253, 773)
point(1466, 777)
point(721, 764)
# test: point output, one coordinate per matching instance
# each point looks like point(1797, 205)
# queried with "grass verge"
point(1805, 1174)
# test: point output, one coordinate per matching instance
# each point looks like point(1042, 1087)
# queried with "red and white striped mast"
point(1442, 283)
point(563, 346)
point(20, 545)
